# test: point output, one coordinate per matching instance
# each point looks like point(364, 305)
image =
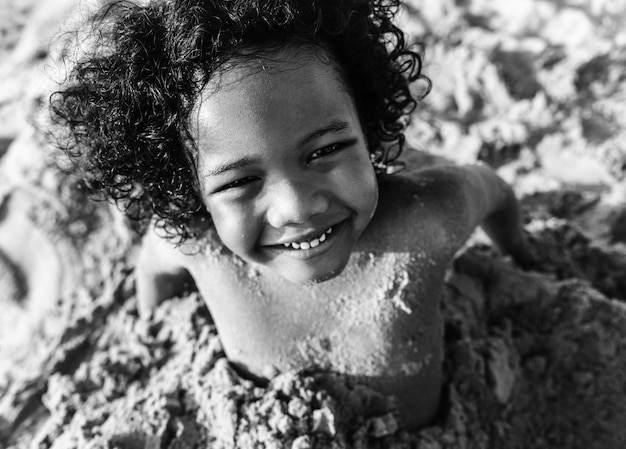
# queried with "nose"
point(294, 201)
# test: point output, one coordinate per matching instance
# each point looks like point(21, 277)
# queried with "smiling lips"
point(310, 243)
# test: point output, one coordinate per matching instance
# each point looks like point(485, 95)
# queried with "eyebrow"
point(236, 165)
point(333, 127)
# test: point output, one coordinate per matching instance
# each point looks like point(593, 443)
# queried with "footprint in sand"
point(36, 266)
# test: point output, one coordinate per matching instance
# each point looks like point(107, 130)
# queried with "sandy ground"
point(534, 88)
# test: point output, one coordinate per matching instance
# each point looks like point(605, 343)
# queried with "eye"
point(329, 150)
point(237, 184)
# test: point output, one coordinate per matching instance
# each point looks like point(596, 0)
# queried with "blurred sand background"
point(535, 88)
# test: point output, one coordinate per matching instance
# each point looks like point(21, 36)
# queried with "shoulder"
point(158, 249)
point(427, 181)
point(423, 209)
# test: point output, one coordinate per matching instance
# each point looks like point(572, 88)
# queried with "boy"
point(255, 135)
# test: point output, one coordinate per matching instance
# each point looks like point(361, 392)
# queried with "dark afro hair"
point(122, 115)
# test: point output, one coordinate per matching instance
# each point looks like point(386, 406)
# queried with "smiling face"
point(283, 164)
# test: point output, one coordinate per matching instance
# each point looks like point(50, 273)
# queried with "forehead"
point(291, 89)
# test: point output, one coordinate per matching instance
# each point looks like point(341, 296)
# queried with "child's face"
point(284, 166)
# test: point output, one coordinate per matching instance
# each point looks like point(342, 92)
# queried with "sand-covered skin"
point(533, 359)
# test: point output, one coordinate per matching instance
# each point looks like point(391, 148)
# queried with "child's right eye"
point(238, 184)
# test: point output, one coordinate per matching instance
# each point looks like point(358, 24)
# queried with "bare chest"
point(379, 316)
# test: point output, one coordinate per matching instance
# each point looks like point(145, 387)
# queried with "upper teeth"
point(311, 243)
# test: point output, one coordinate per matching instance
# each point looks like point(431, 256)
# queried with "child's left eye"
point(327, 150)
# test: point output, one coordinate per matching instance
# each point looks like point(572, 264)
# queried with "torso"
point(378, 321)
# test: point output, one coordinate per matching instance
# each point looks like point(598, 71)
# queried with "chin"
point(320, 279)
point(313, 277)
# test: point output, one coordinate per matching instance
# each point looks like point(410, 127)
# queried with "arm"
point(473, 195)
point(159, 274)
point(502, 221)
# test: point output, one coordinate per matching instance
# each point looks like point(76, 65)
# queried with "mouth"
point(309, 243)
point(310, 246)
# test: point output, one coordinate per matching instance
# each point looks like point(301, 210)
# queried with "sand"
point(533, 359)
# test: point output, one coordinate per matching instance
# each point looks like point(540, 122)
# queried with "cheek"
point(370, 196)
point(236, 229)
point(362, 187)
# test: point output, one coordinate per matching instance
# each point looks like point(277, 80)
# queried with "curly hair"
point(125, 106)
